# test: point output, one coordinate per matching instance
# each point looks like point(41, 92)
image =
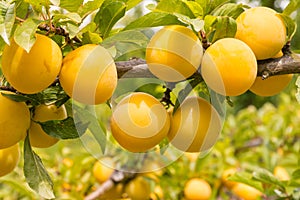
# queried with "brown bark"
point(288, 64)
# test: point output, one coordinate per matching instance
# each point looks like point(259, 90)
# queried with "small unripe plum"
point(174, 53)
point(139, 122)
point(138, 189)
point(246, 192)
point(195, 126)
point(281, 173)
point(271, 86)
point(197, 189)
point(263, 30)
point(229, 67)
point(103, 169)
point(42, 113)
point(226, 174)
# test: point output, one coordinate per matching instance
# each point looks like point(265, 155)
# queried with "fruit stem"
point(166, 100)
point(204, 40)
point(8, 88)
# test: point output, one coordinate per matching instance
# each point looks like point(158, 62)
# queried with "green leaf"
point(296, 194)
point(17, 97)
point(89, 27)
point(71, 16)
point(174, 6)
point(246, 179)
point(38, 5)
point(132, 3)
point(225, 27)
point(85, 117)
point(186, 91)
point(130, 51)
point(155, 89)
point(137, 37)
point(151, 6)
point(62, 101)
point(24, 34)
point(18, 187)
point(72, 5)
point(35, 173)
point(22, 9)
point(55, 2)
point(163, 146)
point(64, 129)
point(7, 20)
point(291, 26)
point(296, 174)
point(209, 22)
point(217, 27)
point(218, 101)
point(91, 38)
point(154, 19)
point(197, 24)
point(1, 42)
point(209, 5)
point(230, 10)
point(291, 7)
point(265, 176)
point(108, 15)
point(298, 89)
point(72, 29)
point(195, 7)
point(89, 7)
point(53, 94)
point(127, 41)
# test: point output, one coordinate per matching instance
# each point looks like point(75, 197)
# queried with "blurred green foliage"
point(248, 98)
point(296, 40)
point(252, 140)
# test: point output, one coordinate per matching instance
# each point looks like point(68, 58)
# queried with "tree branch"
point(116, 177)
point(133, 68)
point(288, 64)
point(255, 142)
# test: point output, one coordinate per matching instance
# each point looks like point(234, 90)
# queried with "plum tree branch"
point(138, 68)
point(288, 64)
point(116, 177)
point(133, 68)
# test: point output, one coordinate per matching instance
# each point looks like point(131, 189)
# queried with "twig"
point(255, 142)
point(166, 100)
point(7, 88)
point(116, 177)
point(58, 31)
point(205, 42)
